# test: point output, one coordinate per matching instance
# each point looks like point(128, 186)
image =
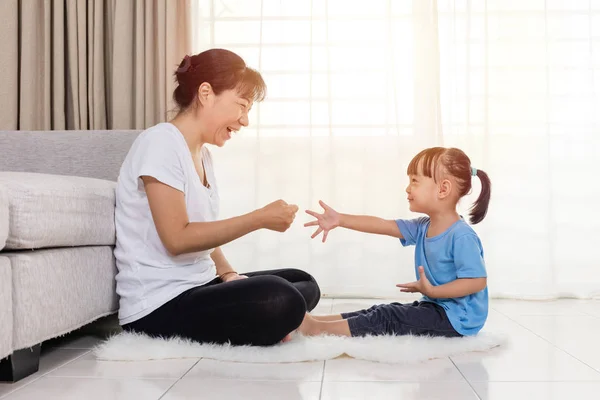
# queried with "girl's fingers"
point(314, 235)
point(314, 214)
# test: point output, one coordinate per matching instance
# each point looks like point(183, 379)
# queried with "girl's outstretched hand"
point(422, 285)
point(327, 221)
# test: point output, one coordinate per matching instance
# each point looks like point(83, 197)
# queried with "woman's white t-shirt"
point(148, 275)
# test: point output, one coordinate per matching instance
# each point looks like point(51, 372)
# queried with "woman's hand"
point(234, 277)
point(278, 216)
point(327, 221)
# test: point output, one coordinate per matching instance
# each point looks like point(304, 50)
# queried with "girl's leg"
point(327, 318)
point(311, 327)
point(337, 317)
point(418, 318)
point(303, 281)
point(261, 310)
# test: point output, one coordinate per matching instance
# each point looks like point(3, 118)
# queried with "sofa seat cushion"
point(3, 216)
point(56, 211)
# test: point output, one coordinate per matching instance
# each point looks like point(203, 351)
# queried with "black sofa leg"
point(20, 364)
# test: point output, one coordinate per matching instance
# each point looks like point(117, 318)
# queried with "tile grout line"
point(322, 379)
point(325, 361)
point(179, 380)
point(464, 377)
point(547, 341)
point(47, 372)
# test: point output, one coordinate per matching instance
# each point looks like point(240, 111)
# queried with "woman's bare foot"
point(287, 338)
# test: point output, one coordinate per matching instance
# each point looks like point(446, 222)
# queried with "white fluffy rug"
point(389, 349)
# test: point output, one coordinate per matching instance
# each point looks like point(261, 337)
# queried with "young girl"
point(449, 262)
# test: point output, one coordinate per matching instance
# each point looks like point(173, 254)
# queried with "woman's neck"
point(441, 221)
point(191, 129)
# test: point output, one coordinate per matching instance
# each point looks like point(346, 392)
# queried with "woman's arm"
point(180, 236)
point(224, 269)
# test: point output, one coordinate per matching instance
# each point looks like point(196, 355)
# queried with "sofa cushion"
point(56, 291)
point(6, 308)
point(3, 216)
point(54, 210)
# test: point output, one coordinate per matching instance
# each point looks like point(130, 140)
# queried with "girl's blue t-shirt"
point(456, 253)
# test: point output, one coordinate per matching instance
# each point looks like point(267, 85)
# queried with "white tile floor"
point(553, 354)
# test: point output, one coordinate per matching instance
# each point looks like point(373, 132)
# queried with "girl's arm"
point(368, 224)
point(458, 288)
point(331, 219)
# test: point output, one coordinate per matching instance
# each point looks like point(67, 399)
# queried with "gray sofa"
point(57, 236)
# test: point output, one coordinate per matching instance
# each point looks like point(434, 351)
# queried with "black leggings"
point(260, 310)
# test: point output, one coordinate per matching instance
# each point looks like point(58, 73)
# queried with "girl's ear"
point(444, 189)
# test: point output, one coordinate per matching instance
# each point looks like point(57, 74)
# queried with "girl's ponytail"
point(480, 207)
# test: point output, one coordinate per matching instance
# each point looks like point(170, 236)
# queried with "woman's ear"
point(205, 93)
point(444, 189)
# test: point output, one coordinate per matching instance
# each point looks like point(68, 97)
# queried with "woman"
point(173, 279)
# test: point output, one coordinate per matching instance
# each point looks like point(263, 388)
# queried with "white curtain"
point(355, 89)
